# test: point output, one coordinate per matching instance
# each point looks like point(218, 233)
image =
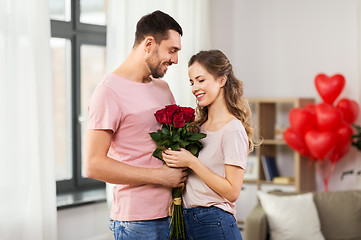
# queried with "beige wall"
point(278, 47)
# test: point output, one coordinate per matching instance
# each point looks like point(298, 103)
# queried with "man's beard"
point(155, 65)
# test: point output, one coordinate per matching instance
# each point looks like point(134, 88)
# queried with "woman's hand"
point(178, 158)
point(228, 187)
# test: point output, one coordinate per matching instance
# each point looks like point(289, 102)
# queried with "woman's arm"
point(228, 187)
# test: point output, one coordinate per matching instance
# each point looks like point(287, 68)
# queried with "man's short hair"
point(156, 24)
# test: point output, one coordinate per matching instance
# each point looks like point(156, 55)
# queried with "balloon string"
point(325, 170)
point(321, 171)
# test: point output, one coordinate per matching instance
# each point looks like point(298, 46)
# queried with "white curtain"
point(192, 15)
point(27, 178)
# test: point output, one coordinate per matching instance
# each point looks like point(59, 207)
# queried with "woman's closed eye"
point(192, 83)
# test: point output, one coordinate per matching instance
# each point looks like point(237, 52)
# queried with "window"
point(78, 38)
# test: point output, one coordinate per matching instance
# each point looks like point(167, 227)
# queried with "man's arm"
point(100, 166)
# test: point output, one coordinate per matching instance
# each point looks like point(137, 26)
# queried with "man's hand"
point(173, 177)
point(101, 167)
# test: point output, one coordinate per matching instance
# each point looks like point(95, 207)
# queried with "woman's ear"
point(149, 43)
point(223, 80)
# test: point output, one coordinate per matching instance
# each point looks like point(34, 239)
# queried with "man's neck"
point(134, 69)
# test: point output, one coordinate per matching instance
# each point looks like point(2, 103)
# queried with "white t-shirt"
point(228, 145)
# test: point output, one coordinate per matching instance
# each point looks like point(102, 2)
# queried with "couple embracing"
point(119, 148)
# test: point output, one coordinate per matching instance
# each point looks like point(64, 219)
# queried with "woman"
point(216, 176)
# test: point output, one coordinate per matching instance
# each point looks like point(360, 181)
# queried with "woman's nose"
point(194, 88)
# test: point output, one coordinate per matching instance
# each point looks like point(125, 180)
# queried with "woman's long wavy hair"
point(217, 64)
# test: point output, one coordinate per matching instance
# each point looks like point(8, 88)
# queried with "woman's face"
point(205, 87)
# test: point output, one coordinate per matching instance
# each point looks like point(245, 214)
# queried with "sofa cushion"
point(291, 217)
point(340, 214)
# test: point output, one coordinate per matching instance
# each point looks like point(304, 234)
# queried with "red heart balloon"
point(311, 107)
point(328, 117)
point(343, 134)
point(329, 88)
point(301, 120)
point(295, 142)
point(343, 142)
point(320, 144)
point(349, 108)
point(339, 153)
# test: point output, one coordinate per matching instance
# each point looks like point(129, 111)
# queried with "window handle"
point(81, 119)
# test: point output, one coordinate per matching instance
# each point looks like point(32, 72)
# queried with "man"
point(121, 115)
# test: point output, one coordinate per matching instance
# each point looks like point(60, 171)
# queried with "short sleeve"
point(172, 100)
point(104, 110)
point(166, 87)
point(235, 145)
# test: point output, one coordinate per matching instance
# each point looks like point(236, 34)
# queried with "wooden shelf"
point(250, 181)
point(272, 183)
point(270, 113)
point(274, 142)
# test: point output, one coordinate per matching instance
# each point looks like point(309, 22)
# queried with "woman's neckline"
point(220, 129)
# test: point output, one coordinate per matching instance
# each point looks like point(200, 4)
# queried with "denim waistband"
point(201, 209)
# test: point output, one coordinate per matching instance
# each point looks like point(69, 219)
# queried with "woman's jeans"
point(210, 223)
point(157, 229)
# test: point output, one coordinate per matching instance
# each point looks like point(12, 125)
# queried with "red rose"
point(161, 116)
point(178, 120)
point(172, 107)
point(188, 113)
point(169, 112)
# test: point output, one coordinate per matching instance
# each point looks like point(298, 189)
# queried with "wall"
point(278, 47)
point(89, 222)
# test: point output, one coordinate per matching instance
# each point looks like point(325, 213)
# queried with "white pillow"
point(291, 217)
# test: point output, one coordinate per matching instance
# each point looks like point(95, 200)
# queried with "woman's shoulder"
point(234, 125)
point(235, 131)
point(234, 128)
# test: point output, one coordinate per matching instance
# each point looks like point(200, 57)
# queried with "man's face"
point(164, 54)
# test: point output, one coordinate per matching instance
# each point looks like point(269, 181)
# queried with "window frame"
point(78, 34)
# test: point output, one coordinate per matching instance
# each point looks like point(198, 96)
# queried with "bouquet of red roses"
point(174, 134)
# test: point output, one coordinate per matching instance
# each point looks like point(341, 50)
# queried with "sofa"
point(339, 215)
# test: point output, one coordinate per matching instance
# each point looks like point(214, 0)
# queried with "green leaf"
point(197, 136)
point(155, 136)
point(175, 137)
point(158, 153)
point(194, 149)
point(199, 144)
point(164, 143)
point(165, 130)
point(183, 143)
point(161, 148)
point(182, 131)
point(175, 146)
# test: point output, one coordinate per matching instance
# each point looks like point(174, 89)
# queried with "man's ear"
point(149, 43)
point(223, 80)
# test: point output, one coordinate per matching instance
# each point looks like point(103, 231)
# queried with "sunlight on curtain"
point(191, 15)
point(27, 181)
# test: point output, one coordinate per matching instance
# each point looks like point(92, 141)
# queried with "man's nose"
point(174, 58)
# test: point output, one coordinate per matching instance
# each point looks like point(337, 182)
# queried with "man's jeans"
point(158, 229)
